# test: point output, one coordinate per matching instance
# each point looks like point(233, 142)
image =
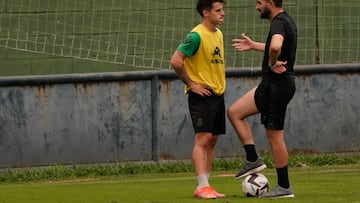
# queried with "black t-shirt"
point(282, 24)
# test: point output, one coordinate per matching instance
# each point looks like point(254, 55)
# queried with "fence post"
point(155, 116)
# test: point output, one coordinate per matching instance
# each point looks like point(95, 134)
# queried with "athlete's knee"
point(275, 136)
point(235, 114)
point(203, 139)
point(232, 114)
point(213, 141)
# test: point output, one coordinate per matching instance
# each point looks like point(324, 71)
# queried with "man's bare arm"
point(177, 63)
point(274, 52)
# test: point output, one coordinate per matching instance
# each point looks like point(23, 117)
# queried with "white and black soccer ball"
point(254, 185)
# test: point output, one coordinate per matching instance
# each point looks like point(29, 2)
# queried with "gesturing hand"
point(243, 44)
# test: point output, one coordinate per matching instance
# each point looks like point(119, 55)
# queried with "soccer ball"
point(255, 184)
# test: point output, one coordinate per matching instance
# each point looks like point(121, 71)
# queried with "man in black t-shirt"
point(271, 97)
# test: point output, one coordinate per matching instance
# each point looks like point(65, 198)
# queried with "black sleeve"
point(278, 27)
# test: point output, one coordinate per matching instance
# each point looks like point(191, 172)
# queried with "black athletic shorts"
point(207, 113)
point(271, 99)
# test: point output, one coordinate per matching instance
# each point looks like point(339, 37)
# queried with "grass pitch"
point(311, 184)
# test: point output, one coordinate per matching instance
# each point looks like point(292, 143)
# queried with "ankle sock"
point(251, 154)
point(202, 180)
point(283, 177)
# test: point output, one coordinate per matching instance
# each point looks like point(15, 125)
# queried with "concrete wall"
point(110, 117)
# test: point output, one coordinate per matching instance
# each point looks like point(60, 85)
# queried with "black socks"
point(251, 154)
point(282, 173)
point(283, 177)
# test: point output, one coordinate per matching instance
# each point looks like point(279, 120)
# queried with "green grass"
point(314, 177)
point(336, 183)
point(58, 172)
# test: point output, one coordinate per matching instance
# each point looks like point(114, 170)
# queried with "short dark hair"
point(206, 5)
point(278, 3)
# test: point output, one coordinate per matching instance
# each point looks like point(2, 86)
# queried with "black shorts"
point(271, 99)
point(207, 113)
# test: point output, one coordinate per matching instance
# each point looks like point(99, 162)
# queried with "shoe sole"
point(199, 197)
point(252, 171)
point(220, 196)
point(206, 198)
point(217, 196)
point(280, 197)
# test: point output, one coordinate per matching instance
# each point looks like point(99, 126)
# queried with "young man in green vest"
point(199, 64)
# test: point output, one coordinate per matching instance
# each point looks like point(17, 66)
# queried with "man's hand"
point(279, 67)
point(243, 44)
point(246, 44)
point(200, 90)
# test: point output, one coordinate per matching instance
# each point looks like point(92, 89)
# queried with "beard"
point(265, 14)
